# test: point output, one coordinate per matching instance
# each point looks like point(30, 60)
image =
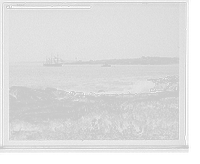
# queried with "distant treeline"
point(132, 61)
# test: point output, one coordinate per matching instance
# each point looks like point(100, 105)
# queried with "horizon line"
point(98, 59)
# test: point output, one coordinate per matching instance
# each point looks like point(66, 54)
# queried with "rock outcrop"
point(169, 83)
point(23, 93)
point(58, 94)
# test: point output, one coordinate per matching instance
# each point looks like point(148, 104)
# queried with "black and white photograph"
point(94, 72)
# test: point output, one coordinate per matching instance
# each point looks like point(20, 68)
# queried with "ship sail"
point(53, 62)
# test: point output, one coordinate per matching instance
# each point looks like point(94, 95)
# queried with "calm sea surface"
point(115, 79)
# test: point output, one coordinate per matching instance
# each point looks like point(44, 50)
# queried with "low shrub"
point(55, 124)
point(129, 120)
point(20, 135)
point(18, 125)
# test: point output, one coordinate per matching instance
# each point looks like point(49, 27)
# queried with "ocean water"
point(89, 78)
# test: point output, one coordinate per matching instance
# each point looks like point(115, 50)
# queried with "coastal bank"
point(52, 114)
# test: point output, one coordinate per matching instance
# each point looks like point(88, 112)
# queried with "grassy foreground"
point(118, 117)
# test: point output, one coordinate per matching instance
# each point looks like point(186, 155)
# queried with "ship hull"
point(52, 65)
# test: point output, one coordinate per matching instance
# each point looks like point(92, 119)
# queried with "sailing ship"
point(53, 62)
point(106, 65)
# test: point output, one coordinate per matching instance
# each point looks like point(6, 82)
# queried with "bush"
point(18, 125)
point(129, 120)
point(20, 135)
point(56, 124)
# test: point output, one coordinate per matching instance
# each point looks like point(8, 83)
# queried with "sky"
point(113, 31)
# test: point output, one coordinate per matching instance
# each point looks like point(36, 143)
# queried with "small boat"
point(106, 65)
point(53, 62)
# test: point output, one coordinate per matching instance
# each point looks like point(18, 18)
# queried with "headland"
point(52, 114)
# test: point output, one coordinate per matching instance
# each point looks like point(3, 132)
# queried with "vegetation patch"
point(116, 119)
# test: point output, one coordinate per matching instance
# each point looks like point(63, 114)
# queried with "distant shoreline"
point(132, 61)
point(87, 64)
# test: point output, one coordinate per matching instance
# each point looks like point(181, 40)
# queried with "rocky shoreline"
point(24, 93)
point(52, 114)
point(169, 83)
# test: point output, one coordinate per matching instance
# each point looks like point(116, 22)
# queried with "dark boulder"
point(59, 94)
point(24, 93)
